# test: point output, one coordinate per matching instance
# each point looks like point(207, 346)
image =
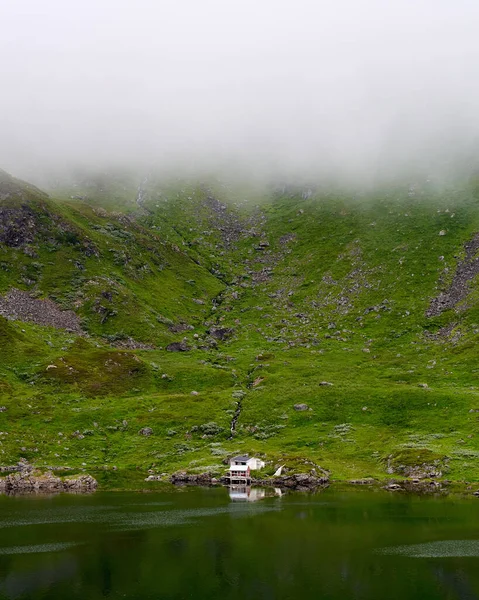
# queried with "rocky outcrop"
point(415, 486)
point(17, 225)
point(423, 471)
point(220, 333)
point(184, 478)
point(301, 482)
point(81, 484)
point(416, 463)
point(457, 291)
point(180, 327)
point(178, 347)
point(28, 480)
point(224, 220)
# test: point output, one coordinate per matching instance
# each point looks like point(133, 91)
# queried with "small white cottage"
point(255, 464)
point(241, 467)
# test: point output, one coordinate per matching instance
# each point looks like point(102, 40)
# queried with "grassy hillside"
point(363, 307)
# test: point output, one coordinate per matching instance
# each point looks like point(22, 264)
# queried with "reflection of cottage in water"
point(245, 493)
point(241, 467)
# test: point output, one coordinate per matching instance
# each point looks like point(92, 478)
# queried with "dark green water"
point(198, 544)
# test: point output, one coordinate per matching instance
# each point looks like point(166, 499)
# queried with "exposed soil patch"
point(466, 270)
point(21, 306)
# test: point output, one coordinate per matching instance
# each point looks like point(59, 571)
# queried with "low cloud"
point(353, 89)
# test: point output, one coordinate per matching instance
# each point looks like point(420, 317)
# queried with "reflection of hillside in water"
point(338, 545)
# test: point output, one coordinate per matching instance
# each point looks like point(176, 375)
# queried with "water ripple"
point(37, 548)
point(439, 549)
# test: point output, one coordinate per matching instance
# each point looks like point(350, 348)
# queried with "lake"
point(198, 543)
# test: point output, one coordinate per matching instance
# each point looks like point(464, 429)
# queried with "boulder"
point(393, 487)
point(146, 431)
point(301, 407)
point(153, 478)
point(178, 347)
point(220, 333)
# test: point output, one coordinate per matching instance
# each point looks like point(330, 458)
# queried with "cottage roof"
point(243, 458)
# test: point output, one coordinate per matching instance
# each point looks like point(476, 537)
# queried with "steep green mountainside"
point(164, 325)
point(119, 276)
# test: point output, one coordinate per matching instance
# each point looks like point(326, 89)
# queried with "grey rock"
point(221, 333)
point(178, 347)
point(184, 478)
point(393, 487)
point(146, 431)
point(301, 481)
point(28, 480)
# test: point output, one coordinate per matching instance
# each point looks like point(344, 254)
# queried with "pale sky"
point(347, 86)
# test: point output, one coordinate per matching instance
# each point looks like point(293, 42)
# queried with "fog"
point(353, 89)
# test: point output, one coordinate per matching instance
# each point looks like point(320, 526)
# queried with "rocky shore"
point(301, 482)
point(184, 478)
point(298, 481)
point(27, 479)
point(417, 486)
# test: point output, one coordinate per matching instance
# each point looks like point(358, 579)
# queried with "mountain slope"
point(363, 308)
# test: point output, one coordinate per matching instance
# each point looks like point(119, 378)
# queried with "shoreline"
point(45, 484)
point(25, 478)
